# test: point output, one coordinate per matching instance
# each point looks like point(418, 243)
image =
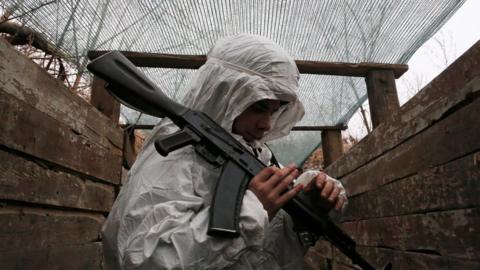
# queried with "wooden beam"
point(297, 128)
point(320, 128)
point(307, 67)
point(332, 146)
point(348, 69)
point(382, 95)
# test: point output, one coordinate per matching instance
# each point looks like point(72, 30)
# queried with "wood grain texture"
point(382, 95)
point(32, 182)
point(452, 233)
point(103, 101)
point(454, 185)
point(332, 146)
point(30, 131)
point(379, 257)
point(76, 257)
point(43, 228)
point(28, 82)
point(451, 138)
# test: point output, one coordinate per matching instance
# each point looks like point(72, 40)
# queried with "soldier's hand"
point(270, 186)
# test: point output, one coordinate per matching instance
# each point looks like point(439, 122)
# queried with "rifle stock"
point(132, 88)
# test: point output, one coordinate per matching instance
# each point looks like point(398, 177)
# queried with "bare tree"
point(443, 49)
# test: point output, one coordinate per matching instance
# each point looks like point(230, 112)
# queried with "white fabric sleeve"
point(165, 225)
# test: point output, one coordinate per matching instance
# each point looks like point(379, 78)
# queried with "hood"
point(241, 70)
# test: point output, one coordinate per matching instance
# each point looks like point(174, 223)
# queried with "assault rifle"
point(132, 88)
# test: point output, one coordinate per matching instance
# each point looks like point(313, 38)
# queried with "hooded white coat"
point(160, 218)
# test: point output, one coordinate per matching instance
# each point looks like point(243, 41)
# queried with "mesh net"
point(387, 31)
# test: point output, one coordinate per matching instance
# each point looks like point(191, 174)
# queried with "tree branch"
point(22, 35)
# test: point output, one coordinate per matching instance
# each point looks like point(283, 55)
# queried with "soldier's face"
point(256, 120)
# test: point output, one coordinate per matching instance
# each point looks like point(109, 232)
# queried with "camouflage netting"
point(388, 31)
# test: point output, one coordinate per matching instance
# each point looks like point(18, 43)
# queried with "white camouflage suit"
point(160, 218)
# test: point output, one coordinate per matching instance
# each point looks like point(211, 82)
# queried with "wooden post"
point(382, 95)
point(129, 153)
point(103, 101)
point(332, 146)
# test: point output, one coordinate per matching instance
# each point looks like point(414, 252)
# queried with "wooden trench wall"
point(60, 164)
point(414, 182)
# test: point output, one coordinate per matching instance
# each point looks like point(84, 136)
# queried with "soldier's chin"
point(258, 138)
point(251, 137)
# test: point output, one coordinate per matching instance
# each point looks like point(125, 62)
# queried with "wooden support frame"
point(382, 95)
point(380, 79)
point(158, 60)
point(332, 146)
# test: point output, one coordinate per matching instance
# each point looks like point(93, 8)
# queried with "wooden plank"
point(158, 60)
point(453, 137)
point(43, 228)
point(454, 185)
point(82, 257)
point(320, 128)
point(382, 95)
point(406, 260)
point(38, 89)
point(32, 182)
point(449, 233)
point(30, 131)
point(452, 87)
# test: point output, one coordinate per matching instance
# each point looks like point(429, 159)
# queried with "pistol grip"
point(227, 201)
point(179, 139)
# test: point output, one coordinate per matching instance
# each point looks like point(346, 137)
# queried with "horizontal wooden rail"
point(320, 128)
point(297, 128)
point(157, 60)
